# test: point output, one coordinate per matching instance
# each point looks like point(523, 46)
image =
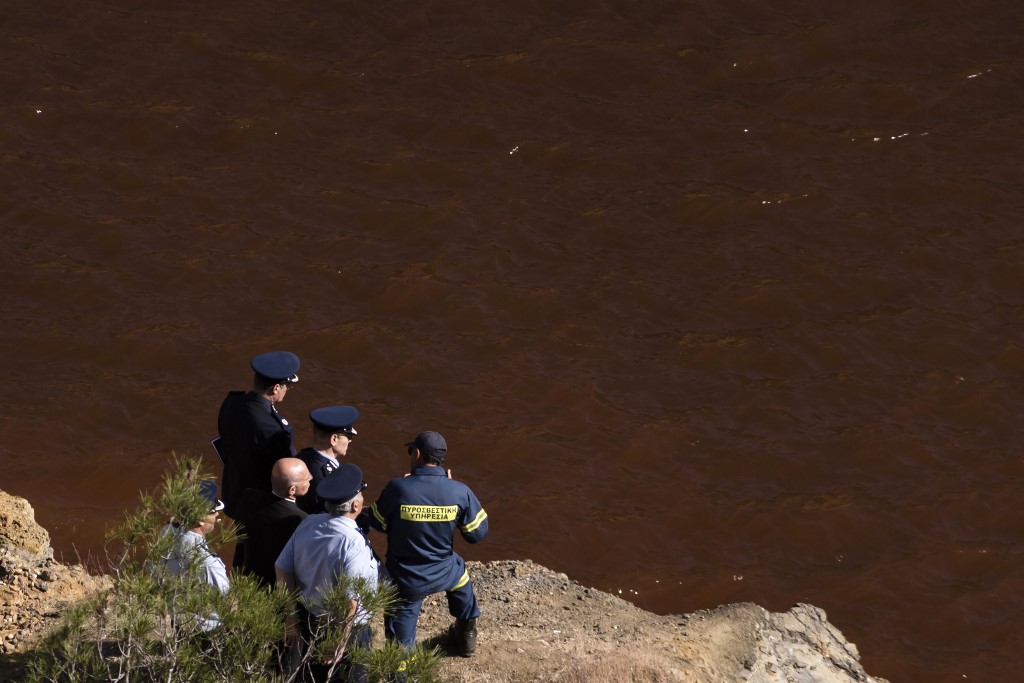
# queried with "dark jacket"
point(420, 514)
point(319, 467)
point(268, 521)
point(253, 437)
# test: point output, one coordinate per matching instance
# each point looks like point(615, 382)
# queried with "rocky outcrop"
point(799, 646)
point(33, 587)
point(536, 625)
point(539, 625)
point(19, 533)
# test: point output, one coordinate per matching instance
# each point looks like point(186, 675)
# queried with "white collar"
point(329, 457)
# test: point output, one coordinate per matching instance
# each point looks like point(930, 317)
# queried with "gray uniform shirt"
point(322, 548)
point(190, 547)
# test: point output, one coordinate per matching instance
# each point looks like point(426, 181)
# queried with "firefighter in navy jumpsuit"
point(420, 514)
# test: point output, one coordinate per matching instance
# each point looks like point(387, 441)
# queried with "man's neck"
point(266, 397)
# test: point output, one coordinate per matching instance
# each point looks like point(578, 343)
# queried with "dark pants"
point(400, 622)
point(347, 670)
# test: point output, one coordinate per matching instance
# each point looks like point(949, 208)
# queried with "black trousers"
point(346, 671)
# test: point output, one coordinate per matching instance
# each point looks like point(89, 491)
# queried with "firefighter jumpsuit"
point(420, 514)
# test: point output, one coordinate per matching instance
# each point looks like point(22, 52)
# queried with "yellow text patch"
point(430, 513)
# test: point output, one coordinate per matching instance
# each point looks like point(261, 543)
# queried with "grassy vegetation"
point(150, 626)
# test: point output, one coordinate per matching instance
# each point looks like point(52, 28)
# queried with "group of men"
point(303, 516)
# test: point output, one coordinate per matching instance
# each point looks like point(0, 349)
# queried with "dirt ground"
point(539, 625)
point(536, 625)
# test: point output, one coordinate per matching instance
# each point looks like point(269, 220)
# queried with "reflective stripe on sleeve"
point(472, 526)
point(383, 522)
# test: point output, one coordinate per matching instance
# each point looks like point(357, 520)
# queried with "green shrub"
point(149, 627)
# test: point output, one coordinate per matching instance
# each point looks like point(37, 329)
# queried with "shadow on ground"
point(12, 667)
point(444, 643)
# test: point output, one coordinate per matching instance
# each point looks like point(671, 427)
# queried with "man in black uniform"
point(332, 434)
point(253, 435)
point(270, 518)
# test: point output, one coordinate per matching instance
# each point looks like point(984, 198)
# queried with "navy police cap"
point(209, 490)
point(281, 366)
point(430, 444)
point(341, 485)
point(335, 419)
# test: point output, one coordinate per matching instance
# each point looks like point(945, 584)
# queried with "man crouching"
point(420, 514)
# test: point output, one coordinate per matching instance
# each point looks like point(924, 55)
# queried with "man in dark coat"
point(253, 435)
point(269, 518)
point(333, 432)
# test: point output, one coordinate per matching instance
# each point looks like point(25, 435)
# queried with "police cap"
point(335, 419)
point(281, 366)
point(209, 490)
point(341, 485)
point(430, 444)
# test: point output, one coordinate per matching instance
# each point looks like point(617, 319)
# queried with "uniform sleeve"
point(473, 523)
point(286, 560)
point(380, 512)
point(216, 574)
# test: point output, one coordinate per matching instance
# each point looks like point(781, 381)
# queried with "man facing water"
point(333, 432)
point(270, 518)
point(189, 554)
point(324, 548)
point(253, 435)
point(420, 513)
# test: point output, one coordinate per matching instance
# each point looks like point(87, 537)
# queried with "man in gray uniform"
point(189, 553)
point(325, 546)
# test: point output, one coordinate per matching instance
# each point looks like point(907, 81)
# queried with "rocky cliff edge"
point(536, 625)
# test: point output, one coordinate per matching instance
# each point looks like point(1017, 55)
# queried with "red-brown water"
point(713, 301)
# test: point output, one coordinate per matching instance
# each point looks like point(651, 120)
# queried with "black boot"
point(465, 637)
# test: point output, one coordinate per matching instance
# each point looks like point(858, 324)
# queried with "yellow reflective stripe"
point(480, 517)
point(405, 663)
point(462, 582)
point(383, 522)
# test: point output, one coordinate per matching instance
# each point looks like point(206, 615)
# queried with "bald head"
point(290, 478)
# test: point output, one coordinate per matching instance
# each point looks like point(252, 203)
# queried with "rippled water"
point(713, 302)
